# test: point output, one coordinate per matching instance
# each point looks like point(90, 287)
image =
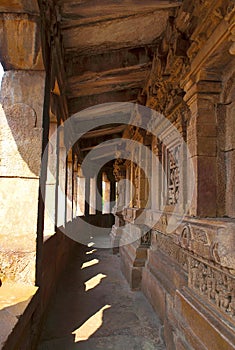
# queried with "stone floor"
point(14, 299)
point(95, 309)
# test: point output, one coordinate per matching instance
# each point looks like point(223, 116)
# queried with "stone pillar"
point(106, 194)
point(156, 174)
point(92, 195)
point(87, 196)
point(112, 194)
point(75, 187)
point(99, 194)
point(69, 187)
point(132, 189)
point(128, 184)
point(80, 193)
point(22, 99)
point(61, 211)
point(201, 97)
point(50, 197)
point(145, 175)
point(115, 235)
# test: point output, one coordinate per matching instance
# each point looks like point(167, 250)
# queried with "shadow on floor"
point(95, 309)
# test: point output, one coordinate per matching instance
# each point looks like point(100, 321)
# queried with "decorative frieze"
point(214, 284)
point(206, 278)
point(167, 245)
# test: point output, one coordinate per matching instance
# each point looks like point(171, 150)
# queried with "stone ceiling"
point(109, 46)
point(108, 51)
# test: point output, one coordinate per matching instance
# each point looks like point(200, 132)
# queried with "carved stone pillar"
point(156, 174)
point(128, 184)
point(201, 97)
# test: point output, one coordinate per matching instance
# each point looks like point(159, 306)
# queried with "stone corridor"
point(117, 129)
point(94, 308)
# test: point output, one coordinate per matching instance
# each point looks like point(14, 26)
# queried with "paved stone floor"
point(95, 309)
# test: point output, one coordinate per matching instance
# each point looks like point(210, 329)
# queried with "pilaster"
point(201, 97)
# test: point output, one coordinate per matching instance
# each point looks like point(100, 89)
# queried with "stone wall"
point(187, 268)
point(20, 143)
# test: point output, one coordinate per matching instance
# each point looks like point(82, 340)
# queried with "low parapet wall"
point(57, 250)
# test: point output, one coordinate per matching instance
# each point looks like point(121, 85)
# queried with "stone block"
point(204, 199)
point(132, 273)
point(202, 325)
point(154, 293)
point(230, 128)
point(206, 146)
point(230, 181)
point(20, 42)
point(166, 270)
point(19, 6)
point(18, 208)
point(206, 130)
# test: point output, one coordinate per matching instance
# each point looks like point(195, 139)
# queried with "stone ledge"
point(202, 323)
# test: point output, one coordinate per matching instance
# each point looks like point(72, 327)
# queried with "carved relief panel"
point(216, 285)
point(173, 175)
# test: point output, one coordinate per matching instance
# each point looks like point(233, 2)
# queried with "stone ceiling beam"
point(113, 80)
point(102, 36)
point(113, 59)
point(80, 103)
point(87, 145)
point(104, 132)
point(106, 8)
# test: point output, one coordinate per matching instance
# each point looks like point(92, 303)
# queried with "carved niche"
point(146, 239)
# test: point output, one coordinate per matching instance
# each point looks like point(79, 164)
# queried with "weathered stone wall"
point(22, 97)
point(27, 331)
point(20, 144)
point(188, 273)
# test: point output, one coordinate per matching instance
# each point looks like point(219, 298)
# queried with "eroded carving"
point(214, 284)
point(173, 250)
point(173, 175)
point(146, 239)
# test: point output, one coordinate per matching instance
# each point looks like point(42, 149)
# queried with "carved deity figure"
point(120, 195)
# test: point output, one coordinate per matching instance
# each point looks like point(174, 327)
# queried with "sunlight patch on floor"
point(91, 251)
point(90, 263)
point(91, 325)
point(94, 281)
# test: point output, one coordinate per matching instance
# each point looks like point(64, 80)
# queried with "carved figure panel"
point(213, 284)
point(146, 239)
point(173, 175)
